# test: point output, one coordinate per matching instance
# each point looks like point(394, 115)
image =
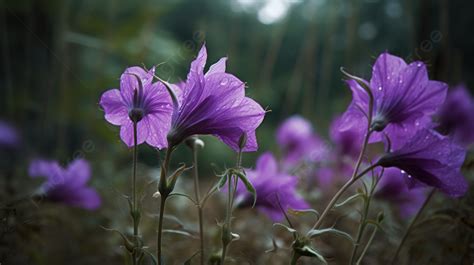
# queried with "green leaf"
point(317, 232)
point(310, 252)
point(222, 181)
point(299, 212)
point(289, 229)
point(350, 199)
point(248, 186)
point(174, 177)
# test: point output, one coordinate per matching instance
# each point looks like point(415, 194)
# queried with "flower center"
point(136, 114)
point(378, 123)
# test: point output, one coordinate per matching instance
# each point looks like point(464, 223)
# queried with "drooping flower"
point(142, 100)
point(215, 103)
point(404, 99)
point(66, 185)
point(299, 142)
point(273, 188)
point(9, 137)
point(393, 188)
point(456, 116)
point(431, 159)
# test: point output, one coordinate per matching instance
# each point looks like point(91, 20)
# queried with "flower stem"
point(198, 202)
point(134, 192)
point(367, 246)
point(226, 229)
point(410, 226)
point(162, 186)
point(362, 224)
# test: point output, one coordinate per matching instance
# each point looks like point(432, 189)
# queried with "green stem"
point(198, 202)
point(226, 237)
point(366, 246)
point(134, 192)
point(363, 219)
point(294, 258)
point(410, 226)
point(160, 229)
point(162, 186)
point(339, 194)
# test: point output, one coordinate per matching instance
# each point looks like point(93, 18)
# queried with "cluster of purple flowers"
point(206, 103)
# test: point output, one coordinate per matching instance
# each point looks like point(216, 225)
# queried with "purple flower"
point(66, 185)
point(431, 159)
point(393, 188)
point(347, 142)
point(8, 135)
point(456, 116)
point(146, 102)
point(272, 187)
point(298, 141)
point(404, 97)
point(215, 103)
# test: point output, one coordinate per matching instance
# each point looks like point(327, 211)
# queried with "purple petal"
point(267, 164)
point(78, 173)
point(116, 111)
point(218, 67)
point(126, 132)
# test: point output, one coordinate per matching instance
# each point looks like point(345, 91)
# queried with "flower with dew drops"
point(66, 185)
point(143, 101)
point(429, 158)
point(215, 103)
point(274, 189)
point(456, 116)
point(393, 188)
point(404, 99)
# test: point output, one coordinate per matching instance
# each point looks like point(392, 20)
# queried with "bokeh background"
point(59, 56)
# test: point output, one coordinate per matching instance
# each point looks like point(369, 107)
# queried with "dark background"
point(58, 57)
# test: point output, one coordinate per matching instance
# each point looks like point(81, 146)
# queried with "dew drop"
point(380, 88)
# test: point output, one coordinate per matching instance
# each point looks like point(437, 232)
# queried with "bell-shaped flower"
point(431, 159)
point(142, 101)
point(404, 100)
point(215, 103)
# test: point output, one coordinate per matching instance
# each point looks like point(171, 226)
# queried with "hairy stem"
point(363, 220)
point(226, 231)
point(134, 192)
point(160, 229)
point(162, 185)
point(410, 226)
point(367, 246)
point(198, 202)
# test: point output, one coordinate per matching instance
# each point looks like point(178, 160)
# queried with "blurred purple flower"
point(431, 159)
point(456, 116)
point(272, 187)
point(299, 142)
point(215, 103)
point(9, 137)
point(393, 188)
point(66, 185)
point(404, 97)
point(347, 142)
point(149, 103)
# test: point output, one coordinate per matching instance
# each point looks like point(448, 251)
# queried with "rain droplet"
point(380, 88)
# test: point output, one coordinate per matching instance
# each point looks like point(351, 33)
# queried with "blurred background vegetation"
point(59, 56)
